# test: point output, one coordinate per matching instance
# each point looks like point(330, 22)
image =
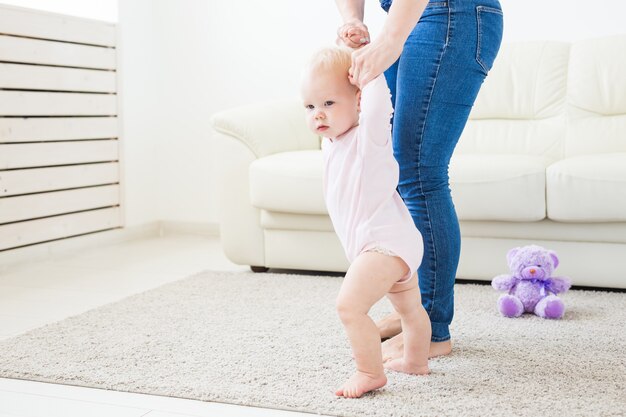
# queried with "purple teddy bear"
point(530, 287)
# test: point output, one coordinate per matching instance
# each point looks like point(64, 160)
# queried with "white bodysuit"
point(360, 180)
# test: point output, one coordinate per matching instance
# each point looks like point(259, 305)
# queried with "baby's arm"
point(376, 111)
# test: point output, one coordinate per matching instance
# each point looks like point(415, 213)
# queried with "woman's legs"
point(434, 84)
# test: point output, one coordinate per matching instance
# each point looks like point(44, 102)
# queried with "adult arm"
point(351, 10)
point(353, 33)
point(371, 60)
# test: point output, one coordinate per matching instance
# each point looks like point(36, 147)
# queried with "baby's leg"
point(368, 279)
point(405, 298)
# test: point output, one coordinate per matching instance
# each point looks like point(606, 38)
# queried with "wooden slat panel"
point(28, 103)
point(46, 25)
point(38, 77)
point(33, 51)
point(35, 231)
point(34, 129)
point(46, 161)
point(25, 181)
point(57, 153)
point(27, 207)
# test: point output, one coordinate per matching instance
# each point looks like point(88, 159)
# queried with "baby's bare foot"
point(389, 326)
point(359, 384)
point(394, 348)
point(400, 365)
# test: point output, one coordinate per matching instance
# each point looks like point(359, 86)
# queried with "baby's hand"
point(353, 34)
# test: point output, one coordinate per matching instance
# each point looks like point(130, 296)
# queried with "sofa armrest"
point(267, 128)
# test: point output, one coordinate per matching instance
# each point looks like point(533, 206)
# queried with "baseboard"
point(48, 250)
point(67, 246)
point(169, 228)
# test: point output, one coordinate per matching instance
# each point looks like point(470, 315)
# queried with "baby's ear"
point(555, 259)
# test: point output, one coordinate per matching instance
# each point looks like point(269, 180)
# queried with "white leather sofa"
point(542, 160)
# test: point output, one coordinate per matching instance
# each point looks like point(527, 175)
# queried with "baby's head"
point(331, 102)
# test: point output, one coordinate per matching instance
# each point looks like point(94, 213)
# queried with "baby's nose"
point(319, 115)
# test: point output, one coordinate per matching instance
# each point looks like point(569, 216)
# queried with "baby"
point(373, 224)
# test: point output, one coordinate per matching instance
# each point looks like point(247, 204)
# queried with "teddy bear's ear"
point(555, 259)
point(510, 254)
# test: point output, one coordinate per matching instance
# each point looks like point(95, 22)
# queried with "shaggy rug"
point(274, 340)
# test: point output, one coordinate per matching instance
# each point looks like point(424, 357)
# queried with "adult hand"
point(371, 60)
point(353, 34)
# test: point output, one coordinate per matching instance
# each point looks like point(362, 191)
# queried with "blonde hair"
point(331, 57)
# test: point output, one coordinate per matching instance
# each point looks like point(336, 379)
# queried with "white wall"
point(165, 60)
point(562, 20)
point(260, 58)
point(138, 79)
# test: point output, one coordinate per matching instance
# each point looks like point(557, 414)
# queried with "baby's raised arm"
point(376, 111)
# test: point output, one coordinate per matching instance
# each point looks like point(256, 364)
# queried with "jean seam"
point(490, 9)
point(479, 26)
point(479, 10)
point(419, 153)
point(440, 339)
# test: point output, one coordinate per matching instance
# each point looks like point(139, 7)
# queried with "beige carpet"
point(274, 340)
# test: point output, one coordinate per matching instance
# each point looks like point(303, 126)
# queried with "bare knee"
point(347, 309)
point(406, 302)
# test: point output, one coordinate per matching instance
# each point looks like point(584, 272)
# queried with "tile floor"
point(32, 295)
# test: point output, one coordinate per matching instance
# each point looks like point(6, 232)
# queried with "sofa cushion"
point(484, 187)
point(272, 220)
point(288, 182)
point(588, 188)
point(528, 81)
point(520, 108)
point(499, 187)
point(596, 95)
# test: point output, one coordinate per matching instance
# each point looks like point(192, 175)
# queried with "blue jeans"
point(433, 85)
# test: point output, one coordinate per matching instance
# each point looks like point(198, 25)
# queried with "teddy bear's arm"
point(503, 282)
point(559, 284)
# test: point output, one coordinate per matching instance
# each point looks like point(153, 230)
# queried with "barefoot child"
point(373, 224)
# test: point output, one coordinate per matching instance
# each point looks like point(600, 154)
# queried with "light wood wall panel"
point(37, 180)
point(30, 155)
point(34, 206)
point(38, 129)
point(37, 51)
point(15, 235)
point(29, 103)
point(59, 130)
point(39, 77)
point(37, 24)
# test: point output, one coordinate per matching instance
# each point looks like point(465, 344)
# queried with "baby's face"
point(331, 102)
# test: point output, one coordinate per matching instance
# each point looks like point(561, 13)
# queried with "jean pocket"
point(490, 25)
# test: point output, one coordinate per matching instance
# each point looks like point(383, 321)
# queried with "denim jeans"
point(433, 85)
